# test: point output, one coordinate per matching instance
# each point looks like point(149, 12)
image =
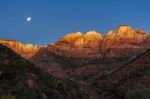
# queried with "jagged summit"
point(93, 35)
point(71, 36)
point(124, 28)
point(78, 39)
point(125, 35)
point(125, 31)
point(122, 34)
point(128, 31)
point(89, 35)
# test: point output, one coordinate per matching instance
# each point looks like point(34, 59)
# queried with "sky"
point(52, 19)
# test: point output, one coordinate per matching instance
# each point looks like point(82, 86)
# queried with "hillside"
point(130, 80)
point(20, 79)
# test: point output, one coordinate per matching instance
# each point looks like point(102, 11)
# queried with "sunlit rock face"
point(124, 28)
point(25, 50)
point(125, 36)
point(90, 39)
point(123, 42)
point(93, 39)
point(128, 32)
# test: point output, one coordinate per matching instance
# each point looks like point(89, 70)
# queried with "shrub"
point(141, 93)
point(8, 97)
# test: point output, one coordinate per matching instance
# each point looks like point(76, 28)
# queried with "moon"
point(28, 19)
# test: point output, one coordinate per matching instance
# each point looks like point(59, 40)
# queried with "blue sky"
point(52, 19)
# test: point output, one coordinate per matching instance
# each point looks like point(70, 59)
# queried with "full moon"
point(29, 19)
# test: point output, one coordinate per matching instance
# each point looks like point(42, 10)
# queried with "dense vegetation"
point(138, 93)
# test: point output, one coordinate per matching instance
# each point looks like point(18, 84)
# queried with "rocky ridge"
point(92, 39)
point(25, 50)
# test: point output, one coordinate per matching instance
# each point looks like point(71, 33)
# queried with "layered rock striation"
point(25, 50)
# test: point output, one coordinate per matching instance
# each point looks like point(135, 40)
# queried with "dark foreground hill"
point(20, 79)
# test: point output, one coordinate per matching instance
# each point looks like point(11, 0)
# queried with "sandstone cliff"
point(25, 50)
point(125, 36)
point(90, 39)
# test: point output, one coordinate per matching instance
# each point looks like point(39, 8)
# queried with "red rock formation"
point(124, 40)
point(25, 50)
point(90, 39)
point(125, 36)
point(91, 44)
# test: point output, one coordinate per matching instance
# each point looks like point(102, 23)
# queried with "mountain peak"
point(123, 31)
point(91, 32)
point(93, 36)
point(71, 36)
point(78, 39)
point(124, 28)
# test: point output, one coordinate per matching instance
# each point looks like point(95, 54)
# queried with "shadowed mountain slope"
point(133, 75)
point(20, 79)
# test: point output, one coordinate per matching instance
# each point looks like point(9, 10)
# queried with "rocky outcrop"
point(89, 40)
point(92, 46)
point(125, 36)
point(25, 50)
